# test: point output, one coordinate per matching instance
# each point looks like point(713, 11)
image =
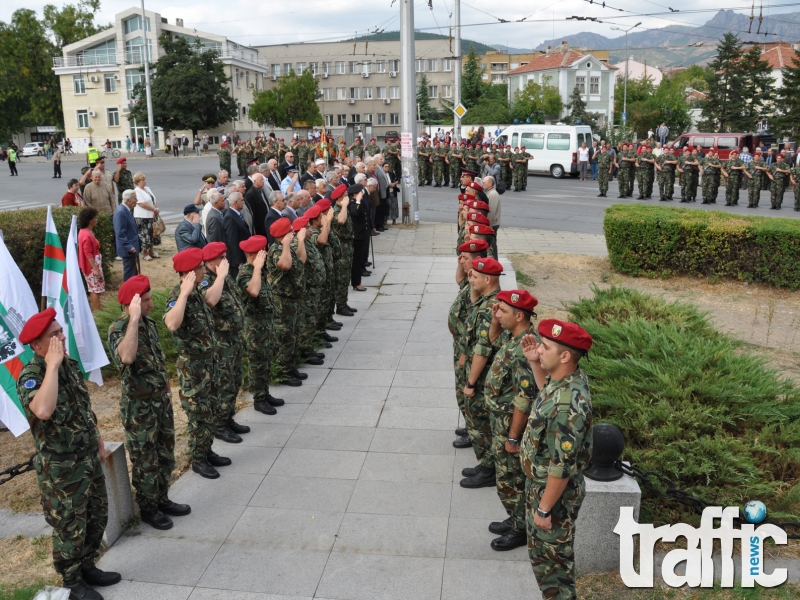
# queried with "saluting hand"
point(261, 258)
point(287, 239)
point(301, 235)
point(530, 347)
point(223, 268)
point(187, 285)
point(135, 308)
point(55, 353)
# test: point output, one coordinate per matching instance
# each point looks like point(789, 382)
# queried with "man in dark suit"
point(257, 202)
point(273, 176)
point(214, 215)
point(251, 171)
point(277, 205)
point(236, 231)
point(127, 235)
point(309, 175)
point(189, 233)
point(289, 162)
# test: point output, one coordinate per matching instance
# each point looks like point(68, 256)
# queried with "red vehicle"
point(722, 142)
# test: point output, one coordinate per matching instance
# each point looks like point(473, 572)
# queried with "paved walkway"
point(351, 490)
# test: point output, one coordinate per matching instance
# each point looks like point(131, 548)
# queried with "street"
point(549, 204)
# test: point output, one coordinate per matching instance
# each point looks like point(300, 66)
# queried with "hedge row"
point(658, 241)
point(23, 233)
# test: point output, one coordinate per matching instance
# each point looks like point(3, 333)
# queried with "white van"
point(553, 148)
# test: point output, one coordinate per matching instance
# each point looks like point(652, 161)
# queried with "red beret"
point(521, 299)
point(280, 227)
point(138, 284)
point(478, 218)
point(253, 244)
point(479, 205)
point(121, 160)
point(187, 260)
point(339, 191)
point(37, 325)
point(300, 223)
point(569, 334)
point(323, 205)
point(481, 229)
point(487, 266)
point(475, 185)
point(213, 250)
point(312, 213)
point(474, 246)
point(464, 197)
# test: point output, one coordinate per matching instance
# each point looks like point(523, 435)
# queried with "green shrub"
point(658, 241)
point(23, 233)
point(693, 404)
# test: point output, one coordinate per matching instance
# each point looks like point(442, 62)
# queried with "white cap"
point(320, 161)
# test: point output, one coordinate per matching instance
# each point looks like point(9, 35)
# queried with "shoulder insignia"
point(483, 332)
point(172, 304)
point(30, 384)
point(525, 383)
point(204, 283)
point(566, 446)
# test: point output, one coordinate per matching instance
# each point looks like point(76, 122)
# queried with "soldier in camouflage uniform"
point(189, 319)
point(605, 163)
point(555, 451)
point(320, 217)
point(694, 176)
point(145, 404)
point(372, 148)
point(314, 276)
point(622, 173)
point(484, 277)
point(358, 150)
point(756, 174)
point(709, 174)
point(393, 158)
point(422, 157)
point(639, 168)
point(123, 178)
point(219, 291)
point(439, 155)
point(670, 166)
point(255, 295)
point(510, 389)
point(795, 179)
point(285, 267)
point(69, 450)
point(733, 172)
point(282, 150)
point(684, 174)
point(302, 155)
point(343, 228)
point(779, 174)
point(224, 154)
point(472, 156)
point(241, 158)
point(455, 159)
point(649, 172)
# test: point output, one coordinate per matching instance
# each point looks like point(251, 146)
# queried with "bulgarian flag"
point(54, 264)
point(17, 305)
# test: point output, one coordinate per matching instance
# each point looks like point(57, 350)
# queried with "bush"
point(693, 404)
point(23, 233)
point(658, 241)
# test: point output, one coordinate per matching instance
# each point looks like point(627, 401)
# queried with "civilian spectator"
point(189, 233)
point(393, 211)
point(146, 210)
point(256, 200)
point(583, 160)
point(127, 235)
point(98, 195)
point(236, 231)
point(212, 217)
point(89, 258)
point(73, 196)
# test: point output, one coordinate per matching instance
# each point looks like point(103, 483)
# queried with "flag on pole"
point(17, 305)
point(83, 341)
point(54, 264)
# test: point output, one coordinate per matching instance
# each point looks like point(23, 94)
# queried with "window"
point(238, 84)
point(580, 138)
point(394, 91)
point(381, 93)
point(594, 85)
point(340, 67)
point(276, 70)
point(327, 68)
point(135, 52)
point(366, 93)
point(432, 91)
point(287, 68)
point(327, 93)
point(533, 141)
point(380, 66)
point(355, 67)
point(341, 93)
point(366, 67)
point(79, 84)
point(341, 120)
point(447, 91)
point(113, 117)
point(381, 118)
point(580, 83)
point(328, 120)
point(83, 119)
point(705, 142)
point(314, 68)
point(394, 65)
point(483, 66)
point(354, 92)
point(432, 64)
point(301, 66)
point(557, 141)
point(102, 54)
point(420, 66)
point(247, 79)
point(135, 24)
point(394, 119)
point(133, 76)
point(368, 118)
point(447, 64)
point(109, 83)
point(728, 143)
point(355, 118)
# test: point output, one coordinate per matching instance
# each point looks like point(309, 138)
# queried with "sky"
point(269, 23)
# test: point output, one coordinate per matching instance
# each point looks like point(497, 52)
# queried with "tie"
point(203, 239)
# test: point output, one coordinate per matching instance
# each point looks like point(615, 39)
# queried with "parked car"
point(722, 142)
point(33, 149)
point(553, 148)
point(391, 137)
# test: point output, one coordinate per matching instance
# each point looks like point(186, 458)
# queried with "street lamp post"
point(627, 58)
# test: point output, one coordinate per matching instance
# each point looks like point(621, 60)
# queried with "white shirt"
point(583, 154)
point(143, 196)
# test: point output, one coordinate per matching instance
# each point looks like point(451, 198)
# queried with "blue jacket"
point(189, 235)
point(126, 232)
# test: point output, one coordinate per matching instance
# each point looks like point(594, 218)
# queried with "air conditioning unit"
point(92, 113)
point(351, 100)
point(392, 73)
point(116, 77)
point(94, 79)
point(387, 100)
point(365, 75)
point(274, 78)
point(324, 75)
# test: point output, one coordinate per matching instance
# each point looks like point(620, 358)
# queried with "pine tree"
point(725, 102)
point(472, 85)
point(788, 101)
point(757, 88)
point(425, 111)
point(577, 110)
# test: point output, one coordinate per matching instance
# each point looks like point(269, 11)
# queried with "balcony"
point(80, 60)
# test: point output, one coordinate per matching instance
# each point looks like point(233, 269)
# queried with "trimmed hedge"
point(23, 233)
point(658, 241)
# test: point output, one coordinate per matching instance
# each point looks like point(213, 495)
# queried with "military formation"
point(525, 402)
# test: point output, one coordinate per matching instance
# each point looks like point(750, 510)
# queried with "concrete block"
point(120, 495)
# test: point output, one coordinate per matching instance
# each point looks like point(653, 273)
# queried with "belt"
point(69, 456)
point(208, 354)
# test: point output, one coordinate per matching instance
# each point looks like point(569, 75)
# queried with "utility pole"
point(408, 83)
point(457, 67)
point(627, 58)
point(150, 126)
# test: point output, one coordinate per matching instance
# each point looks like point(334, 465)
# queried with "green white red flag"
point(54, 264)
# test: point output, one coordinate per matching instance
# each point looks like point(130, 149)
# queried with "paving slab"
point(304, 493)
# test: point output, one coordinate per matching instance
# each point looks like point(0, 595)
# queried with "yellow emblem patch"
point(483, 333)
point(525, 383)
point(566, 446)
point(556, 331)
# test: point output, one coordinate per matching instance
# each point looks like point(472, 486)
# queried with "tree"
point(724, 103)
point(293, 100)
point(426, 112)
point(788, 122)
point(72, 23)
point(189, 89)
point(472, 84)
point(639, 90)
point(577, 110)
point(536, 102)
point(757, 88)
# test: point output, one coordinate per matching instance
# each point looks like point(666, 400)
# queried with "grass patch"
point(693, 404)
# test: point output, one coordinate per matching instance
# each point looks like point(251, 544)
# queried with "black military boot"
point(215, 460)
point(500, 527)
point(298, 375)
point(437, 185)
point(273, 401)
point(333, 327)
point(263, 406)
point(156, 519)
point(81, 591)
point(204, 469)
point(314, 360)
point(95, 577)
point(486, 478)
point(461, 432)
point(174, 509)
point(226, 435)
point(293, 382)
point(462, 442)
point(509, 541)
point(329, 338)
point(236, 428)
point(351, 309)
point(344, 311)
point(470, 471)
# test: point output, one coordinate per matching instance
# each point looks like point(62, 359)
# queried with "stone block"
point(120, 495)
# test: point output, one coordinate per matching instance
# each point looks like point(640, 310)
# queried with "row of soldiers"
point(440, 166)
point(527, 409)
point(687, 167)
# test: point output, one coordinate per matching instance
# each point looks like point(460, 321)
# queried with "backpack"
point(500, 186)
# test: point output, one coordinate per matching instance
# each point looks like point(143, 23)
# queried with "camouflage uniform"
point(358, 152)
point(282, 150)
point(198, 371)
point(525, 169)
point(649, 174)
point(557, 442)
point(372, 149)
point(754, 183)
point(639, 166)
point(505, 170)
point(224, 159)
point(685, 177)
point(509, 385)
point(258, 329)
point(472, 156)
point(733, 183)
point(456, 321)
point(68, 470)
point(455, 166)
point(314, 274)
point(604, 160)
point(709, 195)
point(421, 158)
point(344, 263)
point(241, 160)
point(125, 183)
point(228, 315)
point(393, 158)
point(796, 174)
point(327, 299)
point(145, 412)
point(287, 291)
point(622, 174)
point(439, 155)
point(694, 178)
point(302, 156)
point(518, 171)
point(778, 187)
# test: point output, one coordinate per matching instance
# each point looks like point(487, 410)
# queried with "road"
point(549, 204)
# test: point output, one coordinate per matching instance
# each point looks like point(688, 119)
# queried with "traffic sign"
point(624, 117)
point(460, 110)
point(90, 130)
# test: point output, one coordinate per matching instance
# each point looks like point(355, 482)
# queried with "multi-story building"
point(496, 64)
point(97, 75)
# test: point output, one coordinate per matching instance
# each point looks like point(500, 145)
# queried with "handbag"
point(159, 227)
point(500, 186)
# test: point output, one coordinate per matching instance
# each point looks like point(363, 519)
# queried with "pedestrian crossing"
point(14, 204)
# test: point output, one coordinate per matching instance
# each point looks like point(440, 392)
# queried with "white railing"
point(136, 56)
point(83, 61)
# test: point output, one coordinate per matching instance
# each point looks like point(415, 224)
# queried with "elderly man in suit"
point(383, 183)
point(127, 235)
point(212, 216)
point(189, 233)
point(256, 200)
point(277, 203)
point(288, 163)
point(236, 231)
point(273, 175)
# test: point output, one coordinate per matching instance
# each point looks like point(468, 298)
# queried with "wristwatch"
point(470, 385)
point(543, 513)
point(513, 442)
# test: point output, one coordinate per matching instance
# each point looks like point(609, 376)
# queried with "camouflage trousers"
point(344, 267)
point(328, 301)
point(776, 191)
point(421, 171)
point(150, 441)
point(229, 359)
point(732, 191)
point(709, 191)
point(460, 381)
point(602, 181)
point(691, 185)
point(225, 165)
point(286, 349)
point(649, 180)
point(665, 185)
point(519, 178)
point(622, 181)
point(446, 170)
point(508, 470)
point(198, 376)
point(476, 416)
point(640, 180)
point(685, 181)
point(75, 505)
point(241, 164)
point(455, 174)
point(258, 339)
point(307, 321)
point(797, 196)
point(754, 191)
point(552, 553)
point(438, 172)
